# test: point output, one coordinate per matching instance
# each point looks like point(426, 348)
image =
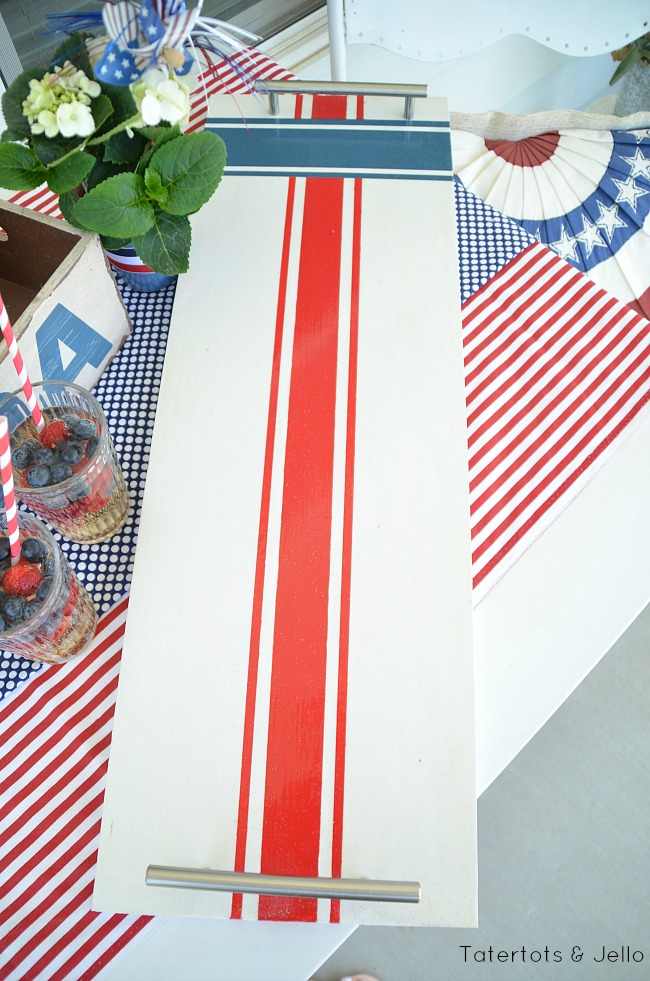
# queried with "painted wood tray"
point(296, 688)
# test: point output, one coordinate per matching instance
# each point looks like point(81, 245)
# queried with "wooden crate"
point(64, 305)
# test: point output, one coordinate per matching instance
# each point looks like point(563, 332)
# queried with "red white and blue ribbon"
point(140, 36)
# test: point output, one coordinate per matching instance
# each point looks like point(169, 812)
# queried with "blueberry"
point(5, 550)
point(44, 587)
point(14, 607)
point(49, 566)
point(38, 476)
point(33, 550)
point(44, 455)
point(71, 452)
point(31, 444)
point(3, 624)
point(22, 457)
point(91, 446)
point(31, 608)
point(60, 471)
point(85, 428)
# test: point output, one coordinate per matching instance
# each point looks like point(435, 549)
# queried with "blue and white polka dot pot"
point(134, 272)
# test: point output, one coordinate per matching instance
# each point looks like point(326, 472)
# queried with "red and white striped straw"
point(7, 476)
point(23, 378)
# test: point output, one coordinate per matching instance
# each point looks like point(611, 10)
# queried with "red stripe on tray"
point(292, 799)
point(346, 571)
point(262, 538)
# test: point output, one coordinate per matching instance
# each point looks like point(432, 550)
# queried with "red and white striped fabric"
point(56, 734)
point(555, 370)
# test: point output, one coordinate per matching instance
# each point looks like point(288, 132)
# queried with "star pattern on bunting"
point(590, 236)
point(566, 246)
point(628, 191)
point(639, 165)
point(609, 219)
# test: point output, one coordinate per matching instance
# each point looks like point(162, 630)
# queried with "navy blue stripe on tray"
point(338, 149)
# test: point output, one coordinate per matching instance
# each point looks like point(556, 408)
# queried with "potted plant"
point(103, 128)
point(633, 60)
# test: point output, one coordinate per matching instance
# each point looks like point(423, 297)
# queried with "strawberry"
point(22, 579)
point(53, 434)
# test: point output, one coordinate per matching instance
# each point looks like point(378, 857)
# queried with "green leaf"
point(124, 149)
point(124, 107)
point(624, 66)
point(155, 188)
point(159, 135)
point(102, 110)
point(70, 173)
point(190, 167)
point(67, 202)
point(165, 248)
point(20, 169)
point(13, 98)
point(48, 150)
point(114, 243)
point(120, 96)
point(117, 207)
point(73, 48)
point(11, 136)
point(154, 133)
point(102, 170)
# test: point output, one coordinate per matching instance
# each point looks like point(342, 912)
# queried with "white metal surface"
point(437, 31)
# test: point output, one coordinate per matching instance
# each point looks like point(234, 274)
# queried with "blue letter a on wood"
point(86, 346)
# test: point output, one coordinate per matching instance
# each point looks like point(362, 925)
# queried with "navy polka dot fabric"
point(487, 240)
point(128, 393)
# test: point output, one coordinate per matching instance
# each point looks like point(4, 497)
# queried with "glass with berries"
point(68, 473)
point(45, 613)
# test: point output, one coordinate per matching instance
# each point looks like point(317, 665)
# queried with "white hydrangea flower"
point(40, 96)
point(75, 119)
point(46, 123)
point(86, 85)
point(64, 96)
point(160, 97)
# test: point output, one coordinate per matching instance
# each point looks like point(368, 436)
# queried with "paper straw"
point(7, 476)
point(26, 385)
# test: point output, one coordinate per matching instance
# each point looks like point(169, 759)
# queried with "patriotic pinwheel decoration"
point(155, 34)
point(142, 37)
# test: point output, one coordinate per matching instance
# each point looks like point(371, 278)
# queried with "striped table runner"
point(56, 734)
point(555, 370)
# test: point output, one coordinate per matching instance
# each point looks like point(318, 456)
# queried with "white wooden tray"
point(296, 688)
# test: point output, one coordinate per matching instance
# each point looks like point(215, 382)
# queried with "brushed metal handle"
point(304, 887)
point(407, 92)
